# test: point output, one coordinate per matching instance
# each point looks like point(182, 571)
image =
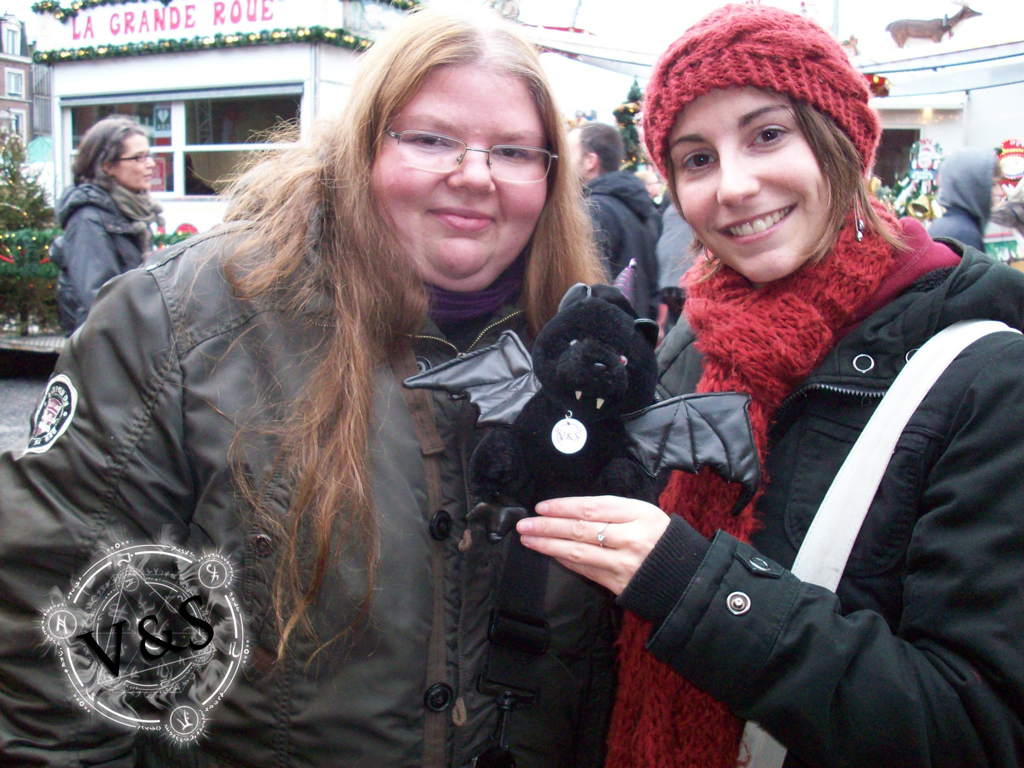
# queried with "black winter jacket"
point(627, 226)
point(918, 660)
point(98, 243)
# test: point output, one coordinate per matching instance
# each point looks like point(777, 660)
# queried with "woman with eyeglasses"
point(107, 216)
point(243, 395)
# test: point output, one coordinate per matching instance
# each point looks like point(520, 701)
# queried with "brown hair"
point(320, 243)
point(604, 141)
point(840, 164)
point(103, 144)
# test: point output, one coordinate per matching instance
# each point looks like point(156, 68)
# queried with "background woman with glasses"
point(247, 388)
point(106, 216)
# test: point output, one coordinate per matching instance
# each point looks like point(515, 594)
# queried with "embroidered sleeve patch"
point(54, 414)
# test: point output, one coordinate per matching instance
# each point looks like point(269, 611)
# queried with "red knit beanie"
point(766, 48)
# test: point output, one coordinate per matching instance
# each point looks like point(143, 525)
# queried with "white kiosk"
point(209, 79)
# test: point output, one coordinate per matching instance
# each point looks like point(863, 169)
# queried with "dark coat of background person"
point(965, 193)
point(98, 243)
point(675, 255)
point(937, 506)
point(627, 226)
point(674, 248)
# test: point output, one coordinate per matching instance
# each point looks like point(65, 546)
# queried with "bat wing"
point(497, 379)
point(693, 431)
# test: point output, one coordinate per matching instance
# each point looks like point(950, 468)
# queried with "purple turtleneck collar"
point(453, 306)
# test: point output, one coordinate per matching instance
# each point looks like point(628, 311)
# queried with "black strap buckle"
point(517, 632)
point(499, 755)
point(521, 697)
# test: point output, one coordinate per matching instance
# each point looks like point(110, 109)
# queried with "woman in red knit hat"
point(811, 298)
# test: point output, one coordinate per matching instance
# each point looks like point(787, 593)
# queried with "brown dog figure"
point(930, 29)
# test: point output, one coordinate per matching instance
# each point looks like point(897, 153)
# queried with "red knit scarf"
point(762, 341)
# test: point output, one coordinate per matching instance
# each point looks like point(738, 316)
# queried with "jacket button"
point(263, 545)
point(738, 603)
point(759, 564)
point(440, 525)
point(438, 697)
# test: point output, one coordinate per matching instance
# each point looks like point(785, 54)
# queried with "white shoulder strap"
point(826, 548)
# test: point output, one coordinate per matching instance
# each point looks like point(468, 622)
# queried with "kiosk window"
point(211, 138)
point(219, 134)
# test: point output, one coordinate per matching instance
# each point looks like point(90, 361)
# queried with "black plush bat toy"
point(581, 415)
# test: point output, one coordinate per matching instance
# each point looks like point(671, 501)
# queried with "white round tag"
point(569, 435)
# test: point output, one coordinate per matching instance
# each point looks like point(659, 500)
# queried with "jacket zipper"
point(855, 392)
point(476, 341)
point(806, 389)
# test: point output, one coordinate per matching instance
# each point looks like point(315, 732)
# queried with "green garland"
point(60, 12)
point(170, 238)
point(337, 37)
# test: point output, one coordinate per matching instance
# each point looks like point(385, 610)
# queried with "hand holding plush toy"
point(582, 418)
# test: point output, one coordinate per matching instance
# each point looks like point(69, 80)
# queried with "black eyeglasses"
point(139, 158)
point(437, 153)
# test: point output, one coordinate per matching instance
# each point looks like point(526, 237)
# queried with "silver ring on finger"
point(600, 534)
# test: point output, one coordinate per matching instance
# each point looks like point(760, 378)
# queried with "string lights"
point(338, 37)
point(878, 85)
point(25, 252)
point(315, 34)
point(28, 249)
point(62, 12)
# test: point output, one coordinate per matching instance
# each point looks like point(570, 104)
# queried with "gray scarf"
point(140, 209)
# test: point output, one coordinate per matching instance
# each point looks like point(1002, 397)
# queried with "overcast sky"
point(650, 25)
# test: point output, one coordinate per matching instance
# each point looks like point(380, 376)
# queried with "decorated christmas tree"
point(23, 203)
point(625, 116)
point(26, 230)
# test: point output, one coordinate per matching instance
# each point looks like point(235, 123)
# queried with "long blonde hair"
point(319, 244)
